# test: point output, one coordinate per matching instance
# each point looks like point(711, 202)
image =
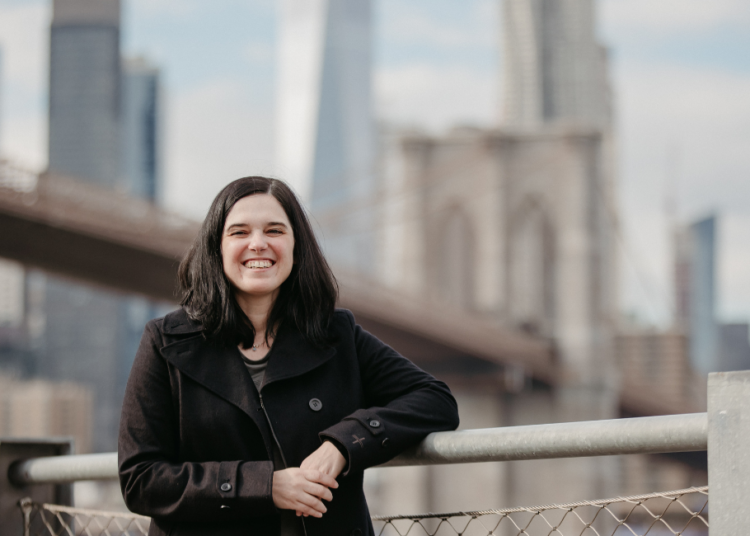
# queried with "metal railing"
point(724, 431)
point(642, 435)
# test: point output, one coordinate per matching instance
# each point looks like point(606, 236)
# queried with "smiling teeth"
point(259, 264)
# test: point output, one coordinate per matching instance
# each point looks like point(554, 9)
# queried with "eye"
point(275, 231)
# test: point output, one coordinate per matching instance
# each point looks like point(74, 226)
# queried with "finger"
point(304, 510)
point(321, 478)
point(309, 512)
point(311, 505)
point(319, 491)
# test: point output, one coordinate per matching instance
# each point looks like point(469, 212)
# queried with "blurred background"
point(505, 188)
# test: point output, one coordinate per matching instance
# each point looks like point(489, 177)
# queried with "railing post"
point(12, 449)
point(729, 453)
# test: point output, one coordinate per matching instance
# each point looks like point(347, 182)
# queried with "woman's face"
point(257, 247)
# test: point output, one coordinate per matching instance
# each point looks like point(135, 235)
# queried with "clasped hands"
point(304, 488)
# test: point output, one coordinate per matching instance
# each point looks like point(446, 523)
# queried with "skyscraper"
point(325, 146)
point(82, 333)
point(139, 136)
point(734, 346)
point(140, 176)
point(84, 97)
point(555, 70)
point(695, 292)
point(703, 329)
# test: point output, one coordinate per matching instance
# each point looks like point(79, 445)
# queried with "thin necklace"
point(256, 346)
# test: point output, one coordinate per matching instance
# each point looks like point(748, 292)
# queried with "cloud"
point(436, 97)
point(703, 116)
point(673, 17)
point(683, 135)
point(24, 140)
point(410, 23)
point(162, 8)
point(192, 8)
point(645, 266)
point(214, 136)
point(259, 52)
point(24, 37)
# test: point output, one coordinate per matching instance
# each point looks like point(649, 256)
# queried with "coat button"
point(315, 404)
point(385, 442)
point(374, 423)
point(224, 506)
point(226, 486)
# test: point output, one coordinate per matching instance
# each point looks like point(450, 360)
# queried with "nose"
point(257, 242)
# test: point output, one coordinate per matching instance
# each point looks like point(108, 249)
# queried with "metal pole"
point(60, 469)
point(728, 452)
point(643, 435)
point(671, 433)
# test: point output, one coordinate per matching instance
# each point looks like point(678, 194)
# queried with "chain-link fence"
point(681, 512)
point(55, 520)
point(671, 513)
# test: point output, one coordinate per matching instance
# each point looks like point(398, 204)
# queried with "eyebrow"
point(269, 224)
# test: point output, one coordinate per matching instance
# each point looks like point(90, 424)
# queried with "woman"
point(256, 407)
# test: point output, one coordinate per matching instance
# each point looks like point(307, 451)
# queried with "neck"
point(257, 311)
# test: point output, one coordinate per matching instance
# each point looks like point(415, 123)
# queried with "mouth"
point(258, 264)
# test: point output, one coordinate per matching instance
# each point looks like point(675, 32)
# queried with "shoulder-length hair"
point(306, 299)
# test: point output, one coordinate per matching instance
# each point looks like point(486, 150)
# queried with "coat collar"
point(179, 323)
point(222, 370)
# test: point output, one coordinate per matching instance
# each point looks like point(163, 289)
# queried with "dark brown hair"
point(306, 299)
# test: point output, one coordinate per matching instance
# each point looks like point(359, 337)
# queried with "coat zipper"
point(278, 446)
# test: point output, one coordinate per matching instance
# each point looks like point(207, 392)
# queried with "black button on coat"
point(191, 424)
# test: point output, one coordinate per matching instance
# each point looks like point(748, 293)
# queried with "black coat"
point(195, 443)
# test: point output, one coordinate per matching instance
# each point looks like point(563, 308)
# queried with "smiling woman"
point(257, 219)
point(256, 408)
point(257, 251)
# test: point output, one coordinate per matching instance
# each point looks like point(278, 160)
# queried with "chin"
point(255, 293)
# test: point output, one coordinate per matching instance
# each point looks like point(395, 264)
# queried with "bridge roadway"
point(83, 232)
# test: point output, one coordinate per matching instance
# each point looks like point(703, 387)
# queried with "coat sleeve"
point(153, 481)
point(404, 404)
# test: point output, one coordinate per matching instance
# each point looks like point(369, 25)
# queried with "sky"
point(680, 70)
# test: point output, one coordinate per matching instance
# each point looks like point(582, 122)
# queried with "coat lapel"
point(218, 369)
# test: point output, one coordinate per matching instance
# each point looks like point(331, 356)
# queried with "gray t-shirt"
point(257, 369)
point(290, 523)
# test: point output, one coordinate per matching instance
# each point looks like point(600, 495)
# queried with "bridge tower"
point(517, 224)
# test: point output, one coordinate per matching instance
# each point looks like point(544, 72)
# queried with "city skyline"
point(667, 63)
